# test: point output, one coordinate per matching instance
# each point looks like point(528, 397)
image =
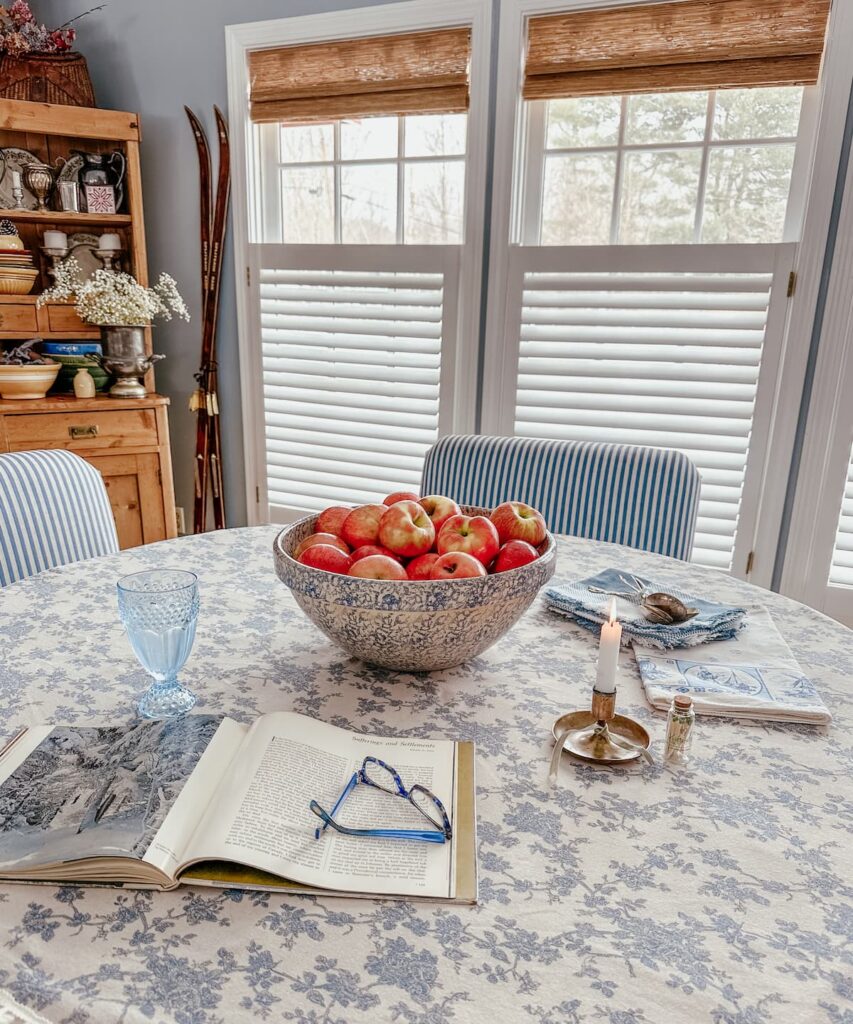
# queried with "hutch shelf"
point(127, 440)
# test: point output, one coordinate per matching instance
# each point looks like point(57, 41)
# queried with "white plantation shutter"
point(351, 364)
point(841, 570)
point(659, 346)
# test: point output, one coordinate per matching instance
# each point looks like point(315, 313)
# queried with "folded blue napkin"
point(589, 609)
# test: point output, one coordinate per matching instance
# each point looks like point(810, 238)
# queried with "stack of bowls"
point(17, 271)
point(72, 355)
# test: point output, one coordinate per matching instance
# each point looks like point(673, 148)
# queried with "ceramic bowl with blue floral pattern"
point(411, 625)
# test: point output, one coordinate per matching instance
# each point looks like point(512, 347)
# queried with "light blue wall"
point(153, 56)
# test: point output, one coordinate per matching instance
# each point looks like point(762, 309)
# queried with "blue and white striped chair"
point(643, 497)
point(53, 510)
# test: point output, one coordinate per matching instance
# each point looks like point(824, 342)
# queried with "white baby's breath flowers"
point(112, 299)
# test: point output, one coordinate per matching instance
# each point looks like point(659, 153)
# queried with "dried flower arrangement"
point(21, 34)
point(113, 299)
point(23, 355)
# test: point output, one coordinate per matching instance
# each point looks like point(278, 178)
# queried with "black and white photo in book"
point(98, 791)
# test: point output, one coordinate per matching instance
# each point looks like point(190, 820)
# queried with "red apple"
point(327, 558)
point(320, 538)
point(392, 499)
point(439, 509)
point(331, 520)
point(419, 568)
point(513, 554)
point(516, 521)
point(361, 526)
point(456, 565)
point(406, 529)
point(475, 535)
point(371, 549)
point(378, 567)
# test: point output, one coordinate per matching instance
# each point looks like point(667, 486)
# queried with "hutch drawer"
point(87, 430)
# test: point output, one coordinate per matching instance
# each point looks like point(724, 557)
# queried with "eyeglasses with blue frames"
point(379, 775)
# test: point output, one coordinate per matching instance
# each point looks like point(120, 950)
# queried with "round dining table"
point(720, 891)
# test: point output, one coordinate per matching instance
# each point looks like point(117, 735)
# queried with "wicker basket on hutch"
point(47, 78)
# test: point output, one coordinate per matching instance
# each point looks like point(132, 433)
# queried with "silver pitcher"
point(125, 358)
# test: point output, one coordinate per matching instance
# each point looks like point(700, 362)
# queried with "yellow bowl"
point(17, 282)
point(31, 380)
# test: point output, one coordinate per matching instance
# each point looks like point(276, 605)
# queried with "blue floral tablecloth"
point(719, 893)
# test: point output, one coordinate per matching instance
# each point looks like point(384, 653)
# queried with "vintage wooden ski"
point(217, 242)
point(198, 401)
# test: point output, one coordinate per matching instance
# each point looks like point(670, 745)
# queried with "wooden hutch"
point(126, 439)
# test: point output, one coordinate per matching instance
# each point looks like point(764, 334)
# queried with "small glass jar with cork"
point(679, 729)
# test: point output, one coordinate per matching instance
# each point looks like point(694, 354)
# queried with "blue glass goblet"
point(159, 609)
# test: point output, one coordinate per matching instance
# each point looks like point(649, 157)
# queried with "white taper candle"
point(608, 652)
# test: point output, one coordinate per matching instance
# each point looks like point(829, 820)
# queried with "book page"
point(261, 817)
point(94, 791)
point(169, 846)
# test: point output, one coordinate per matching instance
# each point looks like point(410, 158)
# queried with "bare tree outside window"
point(379, 180)
point(666, 168)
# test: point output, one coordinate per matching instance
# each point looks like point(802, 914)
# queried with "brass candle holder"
point(600, 735)
point(55, 255)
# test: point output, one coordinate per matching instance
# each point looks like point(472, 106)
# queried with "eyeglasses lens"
point(426, 804)
point(381, 777)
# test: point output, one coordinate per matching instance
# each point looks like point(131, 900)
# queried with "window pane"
point(373, 138)
point(667, 117)
point(369, 204)
point(435, 134)
point(308, 204)
point(659, 192)
point(434, 199)
point(309, 142)
point(577, 199)
point(758, 113)
point(747, 193)
point(588, 121)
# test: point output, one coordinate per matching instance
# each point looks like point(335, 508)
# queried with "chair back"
point(645, 498)
point(54, 509)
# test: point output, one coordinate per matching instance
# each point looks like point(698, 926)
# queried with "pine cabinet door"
point(136, 496)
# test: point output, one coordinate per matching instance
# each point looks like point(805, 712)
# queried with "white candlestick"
point(608, 653)
point(55, 240)
point(109, 242)
point(16, 179)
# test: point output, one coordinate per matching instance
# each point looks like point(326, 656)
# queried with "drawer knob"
point(88, 431)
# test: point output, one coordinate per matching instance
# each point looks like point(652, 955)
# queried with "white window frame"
point(827, 440)
point(385, 19)
point(832, 99)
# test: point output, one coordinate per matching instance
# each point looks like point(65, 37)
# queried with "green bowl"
point(68, 371)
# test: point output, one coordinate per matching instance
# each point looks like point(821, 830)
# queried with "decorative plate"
point(12, 159)
point(82, 247)
point(71, 169)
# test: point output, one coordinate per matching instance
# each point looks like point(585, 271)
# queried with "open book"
point(204, 800)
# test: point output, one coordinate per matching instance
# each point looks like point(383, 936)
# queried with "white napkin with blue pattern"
point(753, 675)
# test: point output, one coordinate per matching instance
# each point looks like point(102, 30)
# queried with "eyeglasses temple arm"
point(432, 836)
point(350, 786)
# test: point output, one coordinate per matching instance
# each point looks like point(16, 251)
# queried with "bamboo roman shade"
point(668, 47)
point(415, 73)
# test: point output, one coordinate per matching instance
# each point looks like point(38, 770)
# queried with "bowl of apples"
point(416, 584)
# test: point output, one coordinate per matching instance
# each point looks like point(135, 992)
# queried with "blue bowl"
point(71, 348)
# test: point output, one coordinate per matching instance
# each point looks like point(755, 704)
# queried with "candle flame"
point(611, 611)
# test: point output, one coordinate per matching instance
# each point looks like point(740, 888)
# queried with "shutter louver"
point(692, 45)
point(413, 73)
point(841, 570)
point(351, 365)
point(663, 359)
